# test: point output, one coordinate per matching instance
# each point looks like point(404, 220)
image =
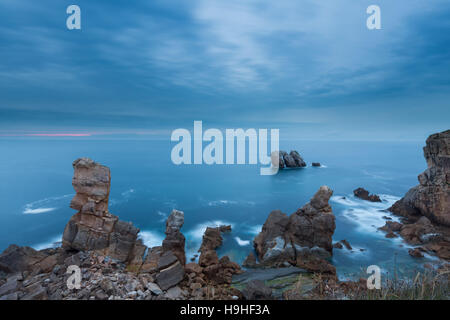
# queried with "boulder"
point(414, 232)
point(308, 231)
point(315, 164)
point(364, 194)
point(93, 227)
point(17, 259)
point(431, 198)
point(416, 253)
point(170, 276)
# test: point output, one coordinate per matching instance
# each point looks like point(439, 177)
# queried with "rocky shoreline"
point(292, 251)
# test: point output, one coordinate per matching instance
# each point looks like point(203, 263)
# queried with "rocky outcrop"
point(306, 233)
point(218, 271)
point(431, 198)
point(175, 240)
point(364, 194)
point(285, 160)
point(93, 227)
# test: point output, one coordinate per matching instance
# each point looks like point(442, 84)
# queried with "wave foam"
point(151, 238)
point(52, 243)
point(46, 205)
point(367, 215)
point(241, 242)
point(197, 232)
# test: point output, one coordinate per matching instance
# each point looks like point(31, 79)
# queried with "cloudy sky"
point(308, 67)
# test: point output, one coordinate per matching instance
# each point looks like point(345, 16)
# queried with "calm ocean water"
point(36, 190)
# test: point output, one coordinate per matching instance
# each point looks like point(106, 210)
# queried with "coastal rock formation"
point(93, 227)
point(306, 233)
point(431, 198)
point(175, 240)
point(219, 271)
point(364, 194)
point(285, 160)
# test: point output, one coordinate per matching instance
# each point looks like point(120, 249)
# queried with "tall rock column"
point(93, 227)
point(175, 240)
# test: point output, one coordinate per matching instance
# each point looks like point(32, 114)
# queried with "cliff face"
point(431, 198)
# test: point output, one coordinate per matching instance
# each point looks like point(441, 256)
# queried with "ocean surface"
point(35, 192)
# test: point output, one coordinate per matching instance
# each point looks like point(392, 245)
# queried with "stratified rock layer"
point(431, 198)
point(175, 240)
point(93, 228)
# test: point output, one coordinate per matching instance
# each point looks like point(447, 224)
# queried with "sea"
point(36, 176)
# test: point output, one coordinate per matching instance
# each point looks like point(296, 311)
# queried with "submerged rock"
point(364, 194)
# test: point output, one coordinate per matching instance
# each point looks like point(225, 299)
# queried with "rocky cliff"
point(431, 198)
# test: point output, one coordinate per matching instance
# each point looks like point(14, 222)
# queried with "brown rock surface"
point(431, 198)
point(175, 240)
point(307, 231)
point(364, 194)
point(94, 227)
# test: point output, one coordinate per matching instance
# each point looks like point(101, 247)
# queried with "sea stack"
point(93, 227)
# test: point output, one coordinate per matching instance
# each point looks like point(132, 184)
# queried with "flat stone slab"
point(266, 274)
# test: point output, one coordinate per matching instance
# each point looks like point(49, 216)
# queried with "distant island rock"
point(285, 160)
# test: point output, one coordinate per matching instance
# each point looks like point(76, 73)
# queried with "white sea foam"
point(37, 210)
point(197, 232)
point(52, 243)
point(241, 242)
point(151, 238)
point(218, 203)
point(367, 215)
point(46, 205)
point(163, 216)
point(254, 230)
point(128, 192)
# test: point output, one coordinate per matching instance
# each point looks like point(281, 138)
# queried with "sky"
point(310, 68)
